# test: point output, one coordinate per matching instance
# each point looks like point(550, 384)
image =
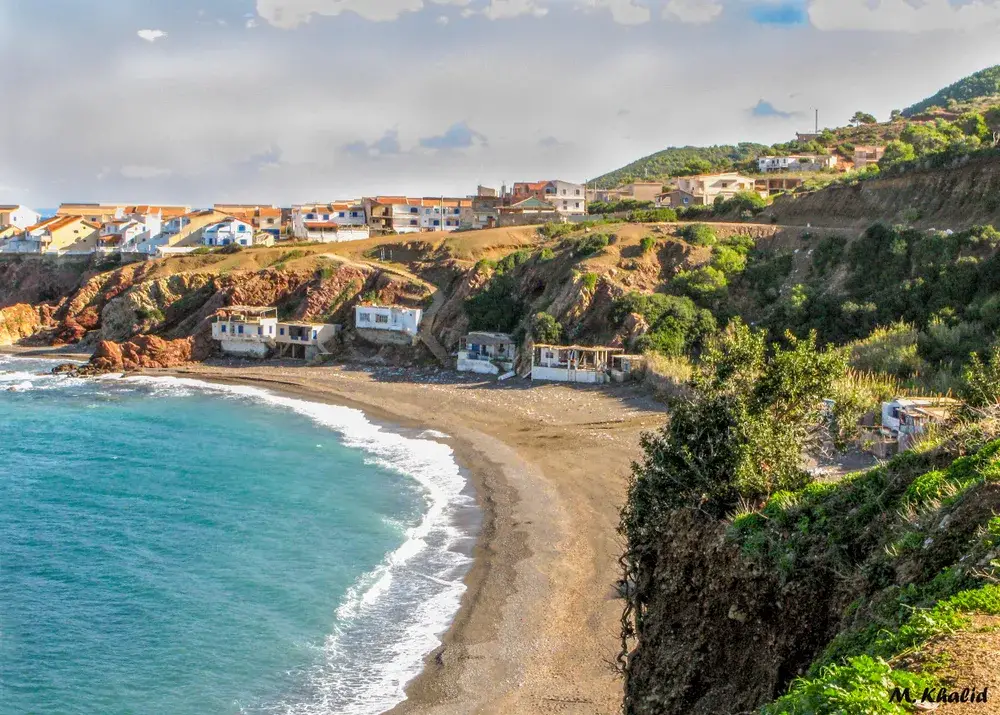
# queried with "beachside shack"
point(627, 367)
point(906, 418)
point(304, 341)
point(392, 318)
point(487, 353)
point(572, 363)
point(245, 331)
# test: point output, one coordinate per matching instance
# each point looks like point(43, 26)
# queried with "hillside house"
point(704, 189)
point(122, 234)
point(18, 216)
point(379, 216)
point(331, 223)
point(567, 198)
point(388, 317)
point(487, 353)
point(60, 235)
point(865, 155)
point(572, 363)
point(486, 211)
point(187, 230)
point(797, 162)
point(246, 331)
point(445, 214)
point(229, 231)
point(776, 184)
point(262, 217)
point(303, 340)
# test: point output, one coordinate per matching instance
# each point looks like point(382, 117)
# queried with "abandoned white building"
point(487, 353)
point(246, 331)
point(388, 317)
point(254, 332)
point(572, 363)
point(304, 341)
point(626, 367)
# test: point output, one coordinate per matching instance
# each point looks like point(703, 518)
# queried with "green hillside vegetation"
point(983, 85)
point(681, 161)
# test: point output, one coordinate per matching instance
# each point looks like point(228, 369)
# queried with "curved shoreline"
point(537, 625)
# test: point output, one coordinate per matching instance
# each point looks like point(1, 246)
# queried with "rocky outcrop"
point(18, 322)
point(144, 351)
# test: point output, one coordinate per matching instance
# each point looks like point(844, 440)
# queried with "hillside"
point(678, 161)
point(983, 87)
point(954, 197)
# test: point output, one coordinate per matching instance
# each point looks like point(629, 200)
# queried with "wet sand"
point(537, 631)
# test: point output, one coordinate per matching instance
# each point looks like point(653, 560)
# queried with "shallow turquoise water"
point(169, 547)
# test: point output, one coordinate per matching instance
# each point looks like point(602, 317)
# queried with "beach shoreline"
point(536, 630)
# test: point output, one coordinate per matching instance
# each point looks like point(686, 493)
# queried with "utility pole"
point(817, 121)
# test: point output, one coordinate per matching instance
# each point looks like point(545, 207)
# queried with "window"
point(241, 228)
point(687, 200)
point(578, 192)
point(315, 334)
point(240, 330)
point(343, 214)
point(362, 318)
point(413, 222)
point(281, 331)
point(326, 217)
point(223, 329)
point(577, 204)
point(260, 330)
point(310, 215)
point(270, 330)
point(414, 210)
point(564, 192)
point(381, 318)
point(437, 222)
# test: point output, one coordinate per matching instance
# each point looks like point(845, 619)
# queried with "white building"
point(445, 214)
point(797, 162)
point(569, 199)
point(572, 363)
point(229, 231)
point(406, 214)
point(388, 317)
point(246, 331)
point(337, 221)
point(487, 353)
point(304, 341)
point(18, 216)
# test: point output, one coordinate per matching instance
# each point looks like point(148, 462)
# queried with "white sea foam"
point(392, 617)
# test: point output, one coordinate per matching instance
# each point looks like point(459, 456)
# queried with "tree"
point(545, 329)
point(896, 115)
point(860, 118)
point(897, 151)
point(925, 139)
point(981, 381)
point(974, 125)
point(739, 434)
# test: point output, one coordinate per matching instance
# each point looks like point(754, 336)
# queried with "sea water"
point(170, 546)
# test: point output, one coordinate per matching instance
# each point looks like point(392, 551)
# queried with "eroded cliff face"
point(957, 197)
point(35, 280)
point(18, 322)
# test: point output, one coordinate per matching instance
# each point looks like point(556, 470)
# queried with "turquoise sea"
point(169, 546)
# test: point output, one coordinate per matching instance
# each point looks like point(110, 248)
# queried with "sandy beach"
point(538, 628)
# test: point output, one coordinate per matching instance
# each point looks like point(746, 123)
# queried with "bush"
point(589, 282)
point(728, 260)
point(201, 251)
point(647, 244)
point(546, 329)
point(745, 201)
point(676, 324)
point(154, 314)
point(590, 245)
point(231, 248)
point(699, 234)
point(981, 381)
point(558, 230)
point(546, 254)
point(705, 283)
point(663, 215)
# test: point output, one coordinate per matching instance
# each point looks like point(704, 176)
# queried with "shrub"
point(152, 313)
point(699, 234)
point(558, 230)
point(231, 248)
point(745, 201)
point(590, 245)
point(728, 260)
point(981, 381)
point(663, 215)
point(546, 254)
point(499, 307)
point(201, 251)
point(485, 264)
point(589, 282)
point(647, 244)
point(703, 283)
point(545, 329)
point(676, 324)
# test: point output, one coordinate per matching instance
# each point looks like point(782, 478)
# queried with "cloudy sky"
point(286, 101)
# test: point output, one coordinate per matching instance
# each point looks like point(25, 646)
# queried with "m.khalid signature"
point(941, 695)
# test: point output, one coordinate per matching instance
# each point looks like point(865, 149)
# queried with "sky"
point(291, 101)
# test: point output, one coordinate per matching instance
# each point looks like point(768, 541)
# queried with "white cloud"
point(506, 9)
point(151, 35)
point(902, 16)
point(695, 12)
point(144, 172)
point(442, 20)
point(251, 23)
